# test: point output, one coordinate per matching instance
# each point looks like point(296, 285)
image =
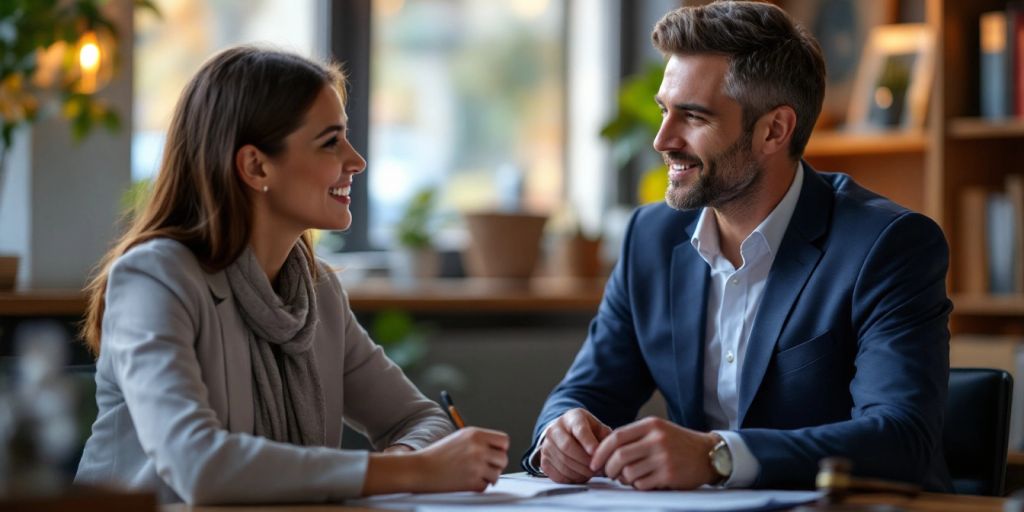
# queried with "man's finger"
point(562, 469)
point(638, 469)
point(621, 436)
point(566, 443)
point(623, 456)
point(585, 436)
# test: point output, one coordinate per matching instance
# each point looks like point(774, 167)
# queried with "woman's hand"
point(467, 460)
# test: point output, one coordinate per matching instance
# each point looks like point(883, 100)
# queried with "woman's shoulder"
point(164, 259)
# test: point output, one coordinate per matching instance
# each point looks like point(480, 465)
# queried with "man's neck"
point(738, 218)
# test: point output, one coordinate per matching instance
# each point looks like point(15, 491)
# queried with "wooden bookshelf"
point(977, 128)
point(989, 305)
point(928, 170)
point(844, 144)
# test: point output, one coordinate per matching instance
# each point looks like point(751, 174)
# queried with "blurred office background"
point(523, 122)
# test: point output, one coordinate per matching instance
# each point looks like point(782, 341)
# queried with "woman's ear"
point(249, 162)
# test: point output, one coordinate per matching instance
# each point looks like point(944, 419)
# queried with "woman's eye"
point(331, 143)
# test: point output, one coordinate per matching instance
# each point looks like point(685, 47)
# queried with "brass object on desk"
point(836, 480)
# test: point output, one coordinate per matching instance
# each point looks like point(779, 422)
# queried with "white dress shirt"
point(733, 299)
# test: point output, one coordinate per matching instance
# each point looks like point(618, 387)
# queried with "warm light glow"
point(529, 9)
point(883, 97)
point(389, 8)
point(90, 58)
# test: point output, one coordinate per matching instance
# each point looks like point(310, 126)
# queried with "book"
point(994, 78)
point(972, 264)
point(1015, 193)
point(1000, 227)
point(1015, 55)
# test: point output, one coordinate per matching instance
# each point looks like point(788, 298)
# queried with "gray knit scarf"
point(288, 399)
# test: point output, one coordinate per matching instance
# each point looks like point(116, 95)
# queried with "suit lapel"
point(798, 256)
point(687, 307)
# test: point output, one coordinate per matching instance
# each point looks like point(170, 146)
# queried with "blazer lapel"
point(798, 256)
point(690, 277)
point(239, 413)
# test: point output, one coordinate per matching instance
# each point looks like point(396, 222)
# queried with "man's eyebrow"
point(329, 129)
point(691, 107)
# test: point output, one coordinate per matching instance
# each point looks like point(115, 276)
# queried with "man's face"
point(702, 140)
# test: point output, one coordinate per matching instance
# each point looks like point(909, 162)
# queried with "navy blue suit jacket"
point(848, 354)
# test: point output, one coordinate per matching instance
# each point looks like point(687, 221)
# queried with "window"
point(169, 49)
point(467, 97)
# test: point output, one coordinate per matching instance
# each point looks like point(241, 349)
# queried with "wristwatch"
point(721, 461)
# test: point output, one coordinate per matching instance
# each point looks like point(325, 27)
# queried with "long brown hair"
point(243, 95)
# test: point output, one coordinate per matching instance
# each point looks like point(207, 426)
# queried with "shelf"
point(468, 295)
point(42, 303)
point(988, 305)
point(980, 128)
point(475, 295)
point(825, 144)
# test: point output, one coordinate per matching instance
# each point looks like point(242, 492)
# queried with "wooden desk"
point(927, 502)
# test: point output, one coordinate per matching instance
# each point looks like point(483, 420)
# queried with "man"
point(794, 315)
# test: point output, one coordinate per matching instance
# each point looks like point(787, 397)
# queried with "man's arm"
point(901, 313)
point(609, 377)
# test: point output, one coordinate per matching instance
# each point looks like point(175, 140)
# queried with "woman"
point(227, 356)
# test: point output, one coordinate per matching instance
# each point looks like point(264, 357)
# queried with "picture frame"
point(842, 28)
point(894, 79)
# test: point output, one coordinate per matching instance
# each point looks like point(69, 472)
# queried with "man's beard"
point(725, 177)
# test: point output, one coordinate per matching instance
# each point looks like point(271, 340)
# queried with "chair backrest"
point(977, 429)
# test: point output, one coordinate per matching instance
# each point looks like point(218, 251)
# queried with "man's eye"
point(332, 142)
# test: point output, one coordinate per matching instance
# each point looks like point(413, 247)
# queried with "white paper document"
point(520, 491)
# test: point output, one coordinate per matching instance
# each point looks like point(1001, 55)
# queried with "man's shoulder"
point(860, 210)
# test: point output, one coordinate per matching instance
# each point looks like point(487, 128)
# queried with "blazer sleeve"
point(380, 402)
point(901, 312)
point(149, 328)
point(609, 377)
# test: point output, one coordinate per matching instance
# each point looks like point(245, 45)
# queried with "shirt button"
point(734, 281)
point(729, 356)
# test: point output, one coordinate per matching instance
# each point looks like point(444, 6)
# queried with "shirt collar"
point(771, 229)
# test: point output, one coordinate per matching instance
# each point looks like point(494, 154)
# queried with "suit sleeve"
point(900, 312)
point(149, 329)
point(609, 377)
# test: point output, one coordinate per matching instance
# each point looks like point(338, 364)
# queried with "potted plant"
point(633, 129)
point(414, 256)
point(54, 56)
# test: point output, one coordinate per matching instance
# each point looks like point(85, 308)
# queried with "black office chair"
point(977, 429)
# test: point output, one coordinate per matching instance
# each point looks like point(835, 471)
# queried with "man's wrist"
point(718, 470)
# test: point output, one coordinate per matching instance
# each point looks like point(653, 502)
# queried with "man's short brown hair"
point(772, 60)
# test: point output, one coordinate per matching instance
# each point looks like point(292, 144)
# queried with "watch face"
point(721, 459)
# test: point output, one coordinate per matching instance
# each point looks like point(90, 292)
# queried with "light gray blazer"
point(175, 394)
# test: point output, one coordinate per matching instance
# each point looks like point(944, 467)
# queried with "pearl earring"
point(265, 189)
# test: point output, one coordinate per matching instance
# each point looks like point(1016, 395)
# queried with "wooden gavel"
point(836, 480)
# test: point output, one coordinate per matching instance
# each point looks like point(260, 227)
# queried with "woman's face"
point(310, 181)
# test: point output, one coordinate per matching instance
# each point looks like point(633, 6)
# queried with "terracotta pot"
point(503, 244)
point(411, 264)
point(8, 271)
point(578, 257)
